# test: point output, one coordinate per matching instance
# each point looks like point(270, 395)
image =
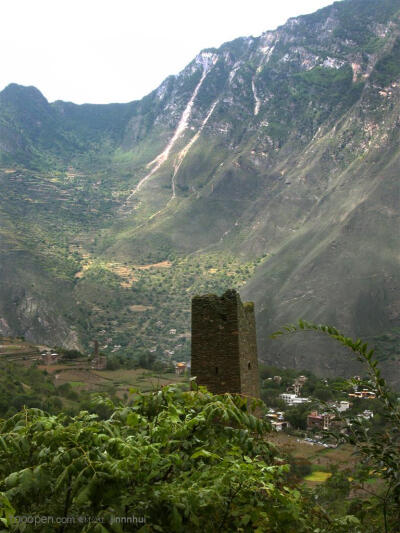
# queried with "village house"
point(341, 406)
point(279, 425)
point(99, 362)
point(366, 415)
point(297, 385)
point(50, 358)
point(180, 368)
point(319, 421)
point(344, 405)
point(116, 348)
point(364, 394)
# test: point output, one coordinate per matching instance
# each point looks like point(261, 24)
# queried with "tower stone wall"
point(224, 349)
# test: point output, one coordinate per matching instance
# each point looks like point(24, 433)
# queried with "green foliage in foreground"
point(181, 461)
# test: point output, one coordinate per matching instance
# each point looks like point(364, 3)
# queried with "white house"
point(343, 406)
point(366, 415)
point(293, 399)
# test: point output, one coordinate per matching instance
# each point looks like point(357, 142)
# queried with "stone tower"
point(224, 349)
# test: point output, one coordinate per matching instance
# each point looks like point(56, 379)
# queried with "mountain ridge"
point(279, 150)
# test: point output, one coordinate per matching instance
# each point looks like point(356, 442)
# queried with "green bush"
point(181, 461)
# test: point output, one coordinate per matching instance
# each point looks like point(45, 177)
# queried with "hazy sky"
point(102, 51)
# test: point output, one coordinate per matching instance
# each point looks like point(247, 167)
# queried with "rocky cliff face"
point(283, 146)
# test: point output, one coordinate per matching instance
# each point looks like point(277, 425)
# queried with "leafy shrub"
point(184, 461)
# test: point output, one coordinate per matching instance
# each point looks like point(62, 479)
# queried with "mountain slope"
point(273, 160)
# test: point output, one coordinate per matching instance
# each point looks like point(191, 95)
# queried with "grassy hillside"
point(69, 385)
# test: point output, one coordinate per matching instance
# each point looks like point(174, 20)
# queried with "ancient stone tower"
point(224, 349)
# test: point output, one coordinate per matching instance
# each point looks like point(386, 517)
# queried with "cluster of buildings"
point(292, 396)
point(325, 420)
point(277, 420)
point(315, 419)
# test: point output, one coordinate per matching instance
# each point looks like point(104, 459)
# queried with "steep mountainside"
point(271, 160)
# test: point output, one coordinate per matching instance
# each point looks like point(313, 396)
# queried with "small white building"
point(279, 425)
point(293, 399)
point(366, 415)
point(343, 406)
